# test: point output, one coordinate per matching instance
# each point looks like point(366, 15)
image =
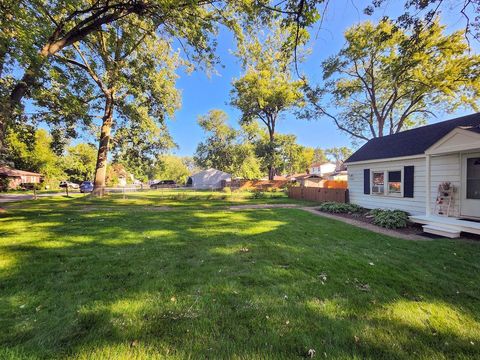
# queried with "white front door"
point(470, 194)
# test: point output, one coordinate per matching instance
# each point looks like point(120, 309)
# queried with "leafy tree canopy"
point(382, 83)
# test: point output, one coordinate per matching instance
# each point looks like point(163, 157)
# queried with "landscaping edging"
point(367, 226)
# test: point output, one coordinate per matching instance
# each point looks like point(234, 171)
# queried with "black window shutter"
point(408, 183)
point(366, 181)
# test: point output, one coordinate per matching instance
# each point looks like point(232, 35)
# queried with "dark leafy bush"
point(340, 208)
point(4, 184)
point(390, 219)
point(258, 194)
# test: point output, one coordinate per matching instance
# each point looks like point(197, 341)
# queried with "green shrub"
point(227, 190)
point(390, 219)
point(340, 208)
point(258, 194)
point(4, 182)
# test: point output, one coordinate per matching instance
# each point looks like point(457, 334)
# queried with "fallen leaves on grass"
point(323, 278)
point(360, 286)
point(310, 353)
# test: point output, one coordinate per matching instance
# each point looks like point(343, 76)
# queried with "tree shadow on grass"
point(265, 284)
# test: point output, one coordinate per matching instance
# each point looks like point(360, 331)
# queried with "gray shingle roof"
point(414, 141)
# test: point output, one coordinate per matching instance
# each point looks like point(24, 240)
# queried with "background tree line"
point(246, 152)
point(108, 68)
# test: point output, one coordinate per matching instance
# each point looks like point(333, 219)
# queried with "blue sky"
point(201, 93)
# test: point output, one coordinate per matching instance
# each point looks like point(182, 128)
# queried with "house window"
point(395, 182)
point(387, 183)
point(378, 185)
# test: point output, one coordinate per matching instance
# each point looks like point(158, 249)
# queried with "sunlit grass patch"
point(196, 280)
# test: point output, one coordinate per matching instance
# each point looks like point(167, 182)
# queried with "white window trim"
point(385, 183)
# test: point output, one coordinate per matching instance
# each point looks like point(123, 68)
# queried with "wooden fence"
point(318, 194)
point(255, 184)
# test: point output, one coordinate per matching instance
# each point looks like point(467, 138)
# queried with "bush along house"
point(431, 172)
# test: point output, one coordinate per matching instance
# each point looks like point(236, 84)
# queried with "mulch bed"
point(411, 229)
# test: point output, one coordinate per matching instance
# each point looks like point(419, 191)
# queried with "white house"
point(208, 179)
point(322, 169)
point(404, 171)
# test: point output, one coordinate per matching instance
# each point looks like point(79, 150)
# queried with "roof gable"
point(459, 139)
point(412, 142)
point(8, 171)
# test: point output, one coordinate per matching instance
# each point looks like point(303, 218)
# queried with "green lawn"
point(118, 278)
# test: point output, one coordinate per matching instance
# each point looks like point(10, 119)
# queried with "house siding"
point(443, 168)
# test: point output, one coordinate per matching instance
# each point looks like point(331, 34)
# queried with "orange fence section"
point(335, 184)
point(318, 194)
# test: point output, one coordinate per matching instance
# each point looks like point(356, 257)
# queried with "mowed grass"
point(118, 278)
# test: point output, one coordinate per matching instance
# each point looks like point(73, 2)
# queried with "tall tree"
point(218, 149)
point(79, 162)
point(59, 24)
point(267, 89)
point(382, 83)
point(134, 72)
point(225, 148)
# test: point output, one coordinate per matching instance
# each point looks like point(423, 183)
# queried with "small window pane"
point(378, 183)
point(395, 176)
point(395, 187)
point(473, 178)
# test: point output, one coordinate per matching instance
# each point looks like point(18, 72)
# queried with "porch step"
point(441, 231)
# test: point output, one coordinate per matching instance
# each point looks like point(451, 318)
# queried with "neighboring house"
point(308, 180)
point(340, 173)
point(403, 171)
point(208, 179)
point(18, 177)
point(322, 169)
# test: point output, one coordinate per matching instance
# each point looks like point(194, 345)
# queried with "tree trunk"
point(271, 166)
point(101, 167)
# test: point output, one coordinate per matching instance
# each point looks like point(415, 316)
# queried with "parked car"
point(86, 187)
point(71, 185)
point(163, 184)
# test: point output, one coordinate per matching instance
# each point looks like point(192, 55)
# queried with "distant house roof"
point(8, 171)
point(308, 176)
point(320, 164)
point(414, 141)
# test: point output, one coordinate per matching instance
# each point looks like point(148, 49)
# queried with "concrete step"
point(441, 231)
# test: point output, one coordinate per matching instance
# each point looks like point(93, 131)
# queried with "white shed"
point(208, 179)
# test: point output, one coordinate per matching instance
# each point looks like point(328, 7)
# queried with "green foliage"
point(386, 79)
point(79, 162)
point(339, 154)
point(35, 155)
point(267, 88)
point(171, 167)
point(225, 148)
point(258, 194)
point(296, 276)
point(4, 182)
point(390, 219)
point(340, 208)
